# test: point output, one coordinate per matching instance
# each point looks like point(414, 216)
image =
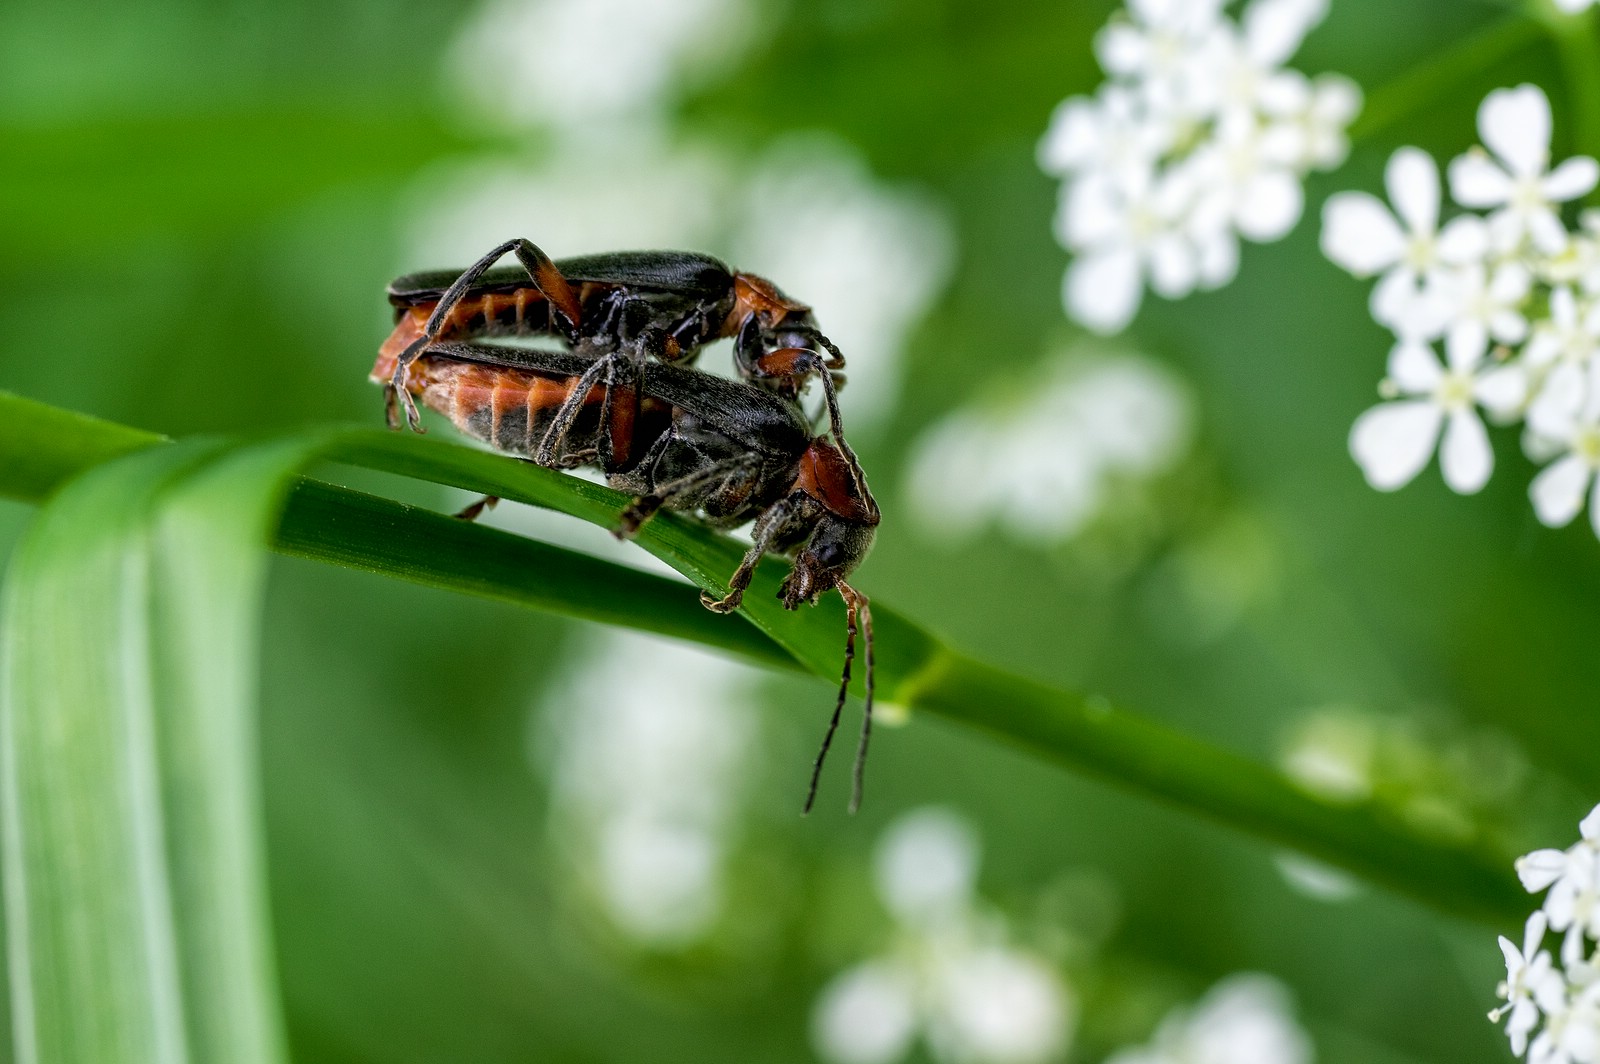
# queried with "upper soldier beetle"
point(627, 306)
point(686, 440)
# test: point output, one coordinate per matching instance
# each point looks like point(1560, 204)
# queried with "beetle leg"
point(743, 467)
point(475, 511)
point(567, 413)
point(542, 272)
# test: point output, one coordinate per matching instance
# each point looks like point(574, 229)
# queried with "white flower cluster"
point(646, 743)
point(1245, 1019)
point(1045, 467)
point(1200, 136)
point(1564, 997)
point(1512, 294)
point(951, 974)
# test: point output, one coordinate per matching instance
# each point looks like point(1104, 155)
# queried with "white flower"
point(1568, 416)
point(1112, 132)
point(1571, 1032)
point(1200, 136)
point(1572, 7)
point(1335, 101)
point(1481, 304)
point(951, 974)
point(1044, 467)
point(1123, 228)
point(1530, 977)
point(1245, 66)
point(1155, 46)
point(1245, 1019)
point(998, 1006)
point(1360, 234)
point(1247, 177)
point(1515, 124)
point(867, 1015)
point(927, 866)
point(1393, 441)
point(1571, 334)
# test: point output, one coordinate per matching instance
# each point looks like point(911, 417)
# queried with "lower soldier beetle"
point(680, 439)
point(634, 306)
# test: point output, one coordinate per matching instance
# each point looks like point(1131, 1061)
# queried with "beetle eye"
point(828, 554)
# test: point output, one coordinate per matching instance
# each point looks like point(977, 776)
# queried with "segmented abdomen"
point(511, 410)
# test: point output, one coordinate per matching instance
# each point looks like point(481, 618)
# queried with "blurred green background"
point(199, 208)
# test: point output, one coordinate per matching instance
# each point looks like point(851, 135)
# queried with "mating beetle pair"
point(623, 397)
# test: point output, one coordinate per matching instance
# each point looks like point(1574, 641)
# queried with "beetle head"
point(831, 553)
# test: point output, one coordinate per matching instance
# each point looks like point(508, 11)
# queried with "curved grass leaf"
point(913, 668)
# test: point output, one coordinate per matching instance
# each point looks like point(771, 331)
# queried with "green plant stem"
point(1578, 48)
point(914, 668)
point(1429, 81)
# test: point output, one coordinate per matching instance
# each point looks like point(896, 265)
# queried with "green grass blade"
point(137, 928)
point(914, 668)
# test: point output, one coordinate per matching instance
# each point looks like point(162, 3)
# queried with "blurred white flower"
point(1393, 441)
point(1561, 1000)
point(580, 65)
point(645, 745)
point(927, 866)
point(1515, 124)
point(869, 258)
point(1407, 246)
point(1247, 1018)
point(1200, 136)
point(1044, 468)
point(950, 974)
point(1572, 7)
point(1567, 417)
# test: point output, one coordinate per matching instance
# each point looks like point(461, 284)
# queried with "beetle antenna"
point(851, 607)
point(830, 396)
point(858, 777)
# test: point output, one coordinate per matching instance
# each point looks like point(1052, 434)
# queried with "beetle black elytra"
point(627, 306)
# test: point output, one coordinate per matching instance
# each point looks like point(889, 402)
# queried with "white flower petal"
point(1463, 240)
point(1412, 178)
point(1475, 180)
point(1270, 205)
point(1502, 390)
point(1103, 290)
point(1540, 868)
point(1392, 441)
point(1467, 334)
point(867, 1015)
point(1557, 492)
point(1090, 211)
point(1463, 349)
point(1548, 234)
point(1274, 28)
point(1415, 368)
point(1173, 270)
point(1594, 521)
point(1573, 178)
point(1510, 283)
point(1589, 826)
point(1121, 49)
point(1465, 456)
point(1556, 409)
point(1074, 136)
point(1219, 259)
point(1359, 233)
point(1515, 125)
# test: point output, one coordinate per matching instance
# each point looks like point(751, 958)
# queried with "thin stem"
point(1430, 81)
